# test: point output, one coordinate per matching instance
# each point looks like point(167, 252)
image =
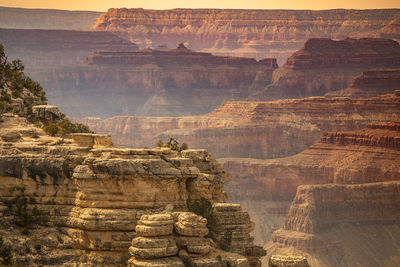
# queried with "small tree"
point(6, 257)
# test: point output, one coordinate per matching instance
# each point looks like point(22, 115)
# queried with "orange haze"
point(102, 5)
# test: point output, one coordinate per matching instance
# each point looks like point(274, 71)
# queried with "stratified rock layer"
point(254, 129)
point(103, 197)
point(371, 83)
point(325, 65)
point(152, 82)
point(266, 187)
point(344, 225)
point(250, 33)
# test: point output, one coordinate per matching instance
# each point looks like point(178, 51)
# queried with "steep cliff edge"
point(365, 156)
point(95, 196)
point(251, 33)
point(371, 83)
point(325, 65)
point(152, 82)
point(343, 225)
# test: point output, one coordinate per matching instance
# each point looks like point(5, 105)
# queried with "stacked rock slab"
point(231, 219)
point(288, 261)
point(192, 230)
point(155, 244)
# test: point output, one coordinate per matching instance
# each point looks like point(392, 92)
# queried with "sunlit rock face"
point(253, 129)
point(325, 65)
point(249, 33)
point(94, 196)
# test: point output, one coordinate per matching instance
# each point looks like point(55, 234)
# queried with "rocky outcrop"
point(325, 65)
point(365, 156)
point(253, 129)
point(152, 82)
point(24, 18)
point(322, 220)
point(43, 48)
point(371, 83)
point(250, 33)
point(287, 261)
point(103, 197)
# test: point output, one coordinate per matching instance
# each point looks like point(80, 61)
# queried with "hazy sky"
point(100, 5)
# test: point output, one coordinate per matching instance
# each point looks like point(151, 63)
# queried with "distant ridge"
point(24, 18)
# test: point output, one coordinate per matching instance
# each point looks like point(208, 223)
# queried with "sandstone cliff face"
point(253, 129)
point(325, 65)
point(366, 156)
point(96, 196)
point(371, 83)
point(344, 224)
point(258, 33)
point(41, 48)
point(152, 82)
point(23, 18)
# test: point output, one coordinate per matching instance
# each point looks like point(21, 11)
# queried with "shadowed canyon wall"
point(152, 82)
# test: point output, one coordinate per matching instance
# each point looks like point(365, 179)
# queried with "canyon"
point(269, 129)
point(325, 65)
point(151, 82)
point(248, 33)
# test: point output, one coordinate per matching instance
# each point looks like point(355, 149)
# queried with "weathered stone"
point(190, 224)
point(287, 261)
point(163, 262)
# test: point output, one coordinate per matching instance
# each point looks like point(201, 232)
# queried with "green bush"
point(52, 129)
point(24, 218)
point(6, 257)
point(173, 144)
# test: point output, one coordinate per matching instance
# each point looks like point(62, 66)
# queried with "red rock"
point(250, 33)
point(371, 83)
point(325, 65)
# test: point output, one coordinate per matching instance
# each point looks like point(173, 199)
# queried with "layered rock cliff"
point(344, 225)
point(365, 156)
point(95, 195)
point(253, 129)
point(152, 82)
point(258, 33)
point(24, 18)
point(371, 83)
point(325, 65)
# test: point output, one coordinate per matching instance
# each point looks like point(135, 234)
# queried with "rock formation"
point(253, 129)
point(344, 224)
point(287, 261)
point(24, 18)
point(325, 65)
point(249, 33)
point(266, 187)
point(97, 196)
point(371, 83)
point(152, 82)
